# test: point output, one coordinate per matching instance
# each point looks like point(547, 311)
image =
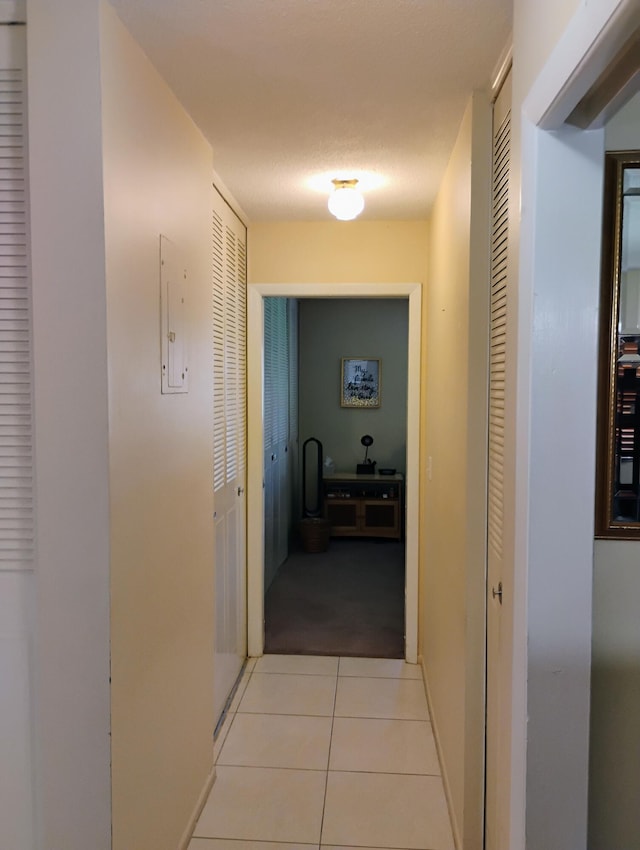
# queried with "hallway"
point(326, 752)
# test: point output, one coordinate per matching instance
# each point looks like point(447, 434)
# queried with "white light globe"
point(345, 202)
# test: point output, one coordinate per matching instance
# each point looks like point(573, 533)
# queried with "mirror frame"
point(605, 526)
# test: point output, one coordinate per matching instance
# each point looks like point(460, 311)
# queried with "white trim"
point(256, 292)
point(503, 66)
point(441, 760)
point(255, 473)
point(592, 39)
point(223, 189)
point(187, 835)
point(594, 36)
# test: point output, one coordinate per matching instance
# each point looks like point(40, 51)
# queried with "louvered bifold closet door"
point(219, 429)
point(498, 666)
point(229, 351)
point(231, 400)
point(498, 331)
point(241, 375)
point(16, 431)
point(229, 302)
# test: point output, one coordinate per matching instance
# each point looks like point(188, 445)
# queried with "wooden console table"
point(364, 505)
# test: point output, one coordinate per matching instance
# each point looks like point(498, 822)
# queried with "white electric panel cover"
point(174, 325)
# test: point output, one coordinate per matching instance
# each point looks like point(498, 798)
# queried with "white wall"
point(454, 436)
point(614, 777)
point(556, 236)
point(157, 177)
point(71, 717)
point(334, 328)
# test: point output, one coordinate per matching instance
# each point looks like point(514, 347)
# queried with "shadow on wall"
point(614, 813)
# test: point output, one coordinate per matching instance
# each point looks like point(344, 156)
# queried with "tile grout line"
point(326, 780)
point(336, 676)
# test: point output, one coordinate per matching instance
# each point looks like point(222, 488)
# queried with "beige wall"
point(338, 252)
point(454, 437)
point(614, 776)
point(157, 177)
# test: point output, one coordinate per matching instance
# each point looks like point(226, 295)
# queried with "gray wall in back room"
point(333, 328)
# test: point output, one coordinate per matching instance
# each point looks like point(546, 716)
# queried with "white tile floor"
point(327, 753)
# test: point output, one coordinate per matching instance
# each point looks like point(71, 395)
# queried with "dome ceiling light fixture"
point(345, 201)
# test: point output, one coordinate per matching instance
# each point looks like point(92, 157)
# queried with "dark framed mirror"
point(618, 448)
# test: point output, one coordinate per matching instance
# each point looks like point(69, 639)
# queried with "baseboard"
point(193, 820)
point(445, 779)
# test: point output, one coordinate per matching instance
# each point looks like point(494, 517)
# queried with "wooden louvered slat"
point(16, 432)
point(241, 342)
point(498, 320)
point(219, 435)
point(231, 356)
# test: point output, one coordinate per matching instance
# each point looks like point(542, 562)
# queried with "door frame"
point(557, 270)
point(256, 293)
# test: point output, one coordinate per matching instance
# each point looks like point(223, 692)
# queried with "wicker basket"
point(314, 533)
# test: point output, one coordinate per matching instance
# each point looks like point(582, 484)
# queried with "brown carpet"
point(348, 600)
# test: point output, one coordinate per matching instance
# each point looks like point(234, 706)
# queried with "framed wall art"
point(360, 382)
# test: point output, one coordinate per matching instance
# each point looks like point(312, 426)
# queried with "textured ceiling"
point(289, 90)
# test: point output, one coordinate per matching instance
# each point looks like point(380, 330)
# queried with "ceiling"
point(291, 93)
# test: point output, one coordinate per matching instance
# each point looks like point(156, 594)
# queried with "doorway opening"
point(410, 293)
point(335, 428)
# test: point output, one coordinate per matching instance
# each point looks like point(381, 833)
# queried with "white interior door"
point(229, 438)
point(497, 768)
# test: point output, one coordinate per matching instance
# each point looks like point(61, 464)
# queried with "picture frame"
point(360, 382)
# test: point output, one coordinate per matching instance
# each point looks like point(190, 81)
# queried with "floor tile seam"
point(265, 841)
point(266, 767)
point(281, 714)
point(355, 658)
point(381, 678)
point(258, 841)
point(327, 845)
point(381, 717)
point(296, 673)
point(378, 717)
point(326, 779)
point(383, 772)
point(274, 767)
point(376, 847)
